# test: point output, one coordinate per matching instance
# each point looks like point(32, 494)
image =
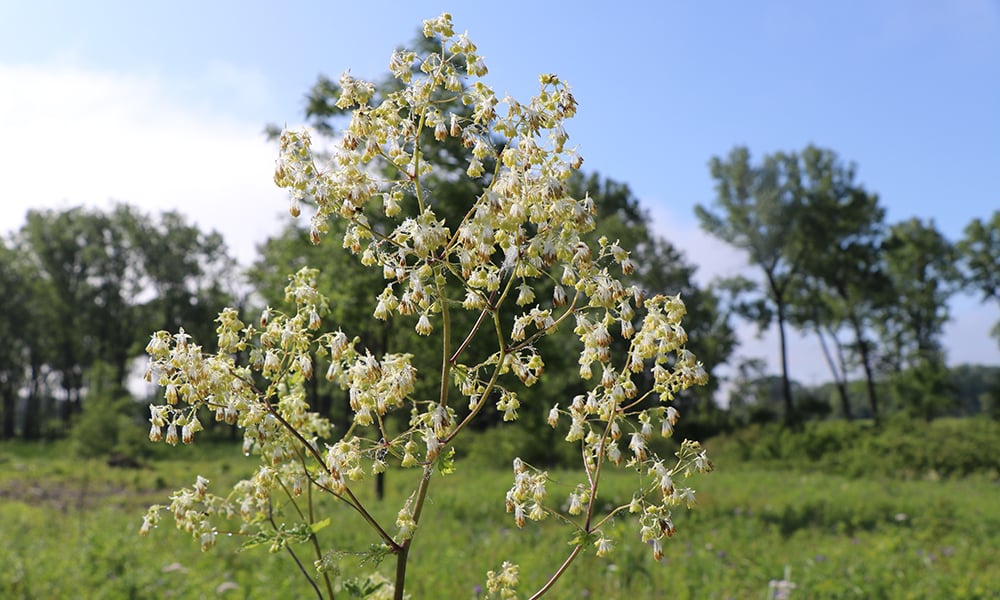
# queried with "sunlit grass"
point(70, 529)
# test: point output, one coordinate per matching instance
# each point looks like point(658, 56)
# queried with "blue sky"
point(162, 104)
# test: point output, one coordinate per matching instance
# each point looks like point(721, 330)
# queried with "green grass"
point(70, 530)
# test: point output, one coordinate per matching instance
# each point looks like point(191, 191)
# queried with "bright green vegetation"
point(70, 526)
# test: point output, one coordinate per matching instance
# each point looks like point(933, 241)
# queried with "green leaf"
point(446, 465)
point(320, 525)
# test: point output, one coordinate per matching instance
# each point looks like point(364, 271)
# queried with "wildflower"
point(147, 525)
point(523, 228)
point(424, 326)
point(657, 546)
point(781, 589)
point(575, 504)
point(603, 545)
point(553, 418)
point(559, 297)
point(189, 429)
point(208, 539)
point(701, 462)
point(519, 515)
point(405, 523)
point(525, 295)
point(504, 581)
point(157, 345)
point(172, 434)
point(685, 495)
point(638, 446)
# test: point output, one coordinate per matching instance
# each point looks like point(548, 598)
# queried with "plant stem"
point(555, 576)
point(354, 502)
point(404, 547)
point(305, 573)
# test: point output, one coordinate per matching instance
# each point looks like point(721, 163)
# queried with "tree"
point(15, 306)
point(921, 266)
point(64, 250)
point(758, 210)
point(99, 278)
point(187, 274)
point(980, 253)
point(840, 234)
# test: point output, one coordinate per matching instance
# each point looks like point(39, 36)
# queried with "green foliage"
point(759, 209)
point(901, 448)
point(111, 425)
point(15, 308)
point(980, 252)
point(921, 265)
point(83, 286)
point(493, 448)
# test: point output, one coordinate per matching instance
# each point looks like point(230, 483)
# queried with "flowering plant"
point(522, 234)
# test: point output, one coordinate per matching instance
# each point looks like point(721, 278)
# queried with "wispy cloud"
point(73, 136)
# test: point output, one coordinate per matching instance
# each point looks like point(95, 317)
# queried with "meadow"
point(70, 529)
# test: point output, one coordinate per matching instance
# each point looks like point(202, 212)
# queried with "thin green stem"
point(445, 346)
point(309, 519)
point(416, 164)
point(315, 538)
point(404, 547)
point(571, 309)
point(354, 502)
point(594, 478)
point(305, 573)
point(502, 355)
point(461, 348)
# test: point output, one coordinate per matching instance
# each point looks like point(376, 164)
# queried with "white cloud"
point(70, 136)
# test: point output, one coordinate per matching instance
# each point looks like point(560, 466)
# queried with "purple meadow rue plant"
point(523, 233)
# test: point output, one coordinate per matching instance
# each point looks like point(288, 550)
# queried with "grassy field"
point(69, 529)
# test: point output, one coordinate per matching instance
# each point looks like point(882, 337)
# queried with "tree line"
point(83, 288)
point(875, 294)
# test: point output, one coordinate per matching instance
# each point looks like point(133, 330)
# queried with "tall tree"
point(187, 274)
point(980, 252)
point(15, 304)
point(921, 265)
point(758, 209)
point(841, 230)
point(62, 246)
point(105, 278)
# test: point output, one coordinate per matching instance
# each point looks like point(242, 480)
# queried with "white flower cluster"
point(527, 496)
point(523, 240)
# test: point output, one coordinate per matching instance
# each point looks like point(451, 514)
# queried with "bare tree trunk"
point(865, 351)
point(786, 387)
point(839, 374)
